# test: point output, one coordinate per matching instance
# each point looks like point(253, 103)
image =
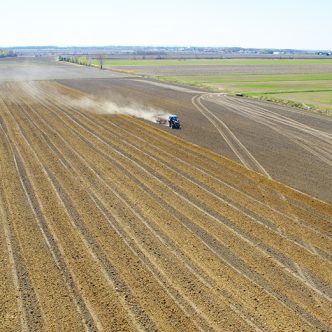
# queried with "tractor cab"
point(174, 122)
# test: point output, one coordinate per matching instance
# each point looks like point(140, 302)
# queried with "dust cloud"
point(109, 107)
point(93, 105)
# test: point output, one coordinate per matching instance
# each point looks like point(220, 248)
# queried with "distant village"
point(149, 52)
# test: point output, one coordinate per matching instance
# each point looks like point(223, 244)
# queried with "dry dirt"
point(289, 145)
point(23, 69)
point(111, 224)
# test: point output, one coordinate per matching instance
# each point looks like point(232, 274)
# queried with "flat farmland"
point(30, 69)
point(286, 144)
point(273, 79)
point(113, 223)
point(108, 223)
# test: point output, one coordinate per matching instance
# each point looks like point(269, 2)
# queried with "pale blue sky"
point(248, 23)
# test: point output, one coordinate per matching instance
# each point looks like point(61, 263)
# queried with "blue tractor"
point(174, 122)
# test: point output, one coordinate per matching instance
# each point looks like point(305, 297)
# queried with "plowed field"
point(110, 224)
point(291, 146)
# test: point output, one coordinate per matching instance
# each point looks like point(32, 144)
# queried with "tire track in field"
point(324, 136)
point(321, 149)
point(276, 108)
point(245, 157)
point(204, 110)
point(272, 121)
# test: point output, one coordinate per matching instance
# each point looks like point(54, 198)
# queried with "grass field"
point(314, 91)
point(293, 81)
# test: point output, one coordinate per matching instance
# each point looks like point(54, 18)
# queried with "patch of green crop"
point(311, 101)
point(307, 91)
point(287, 91)
point(271, 77)
point(294, 89)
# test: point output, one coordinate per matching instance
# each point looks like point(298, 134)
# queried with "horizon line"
point(161, 46)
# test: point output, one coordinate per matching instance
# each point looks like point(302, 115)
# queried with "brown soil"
point(23, 69)
point(291, 146)
point(111, 224)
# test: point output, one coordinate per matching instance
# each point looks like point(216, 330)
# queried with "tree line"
point(84, 60)
point(7, 54)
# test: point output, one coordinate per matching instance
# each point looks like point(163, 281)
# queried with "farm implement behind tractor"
point(173, 121)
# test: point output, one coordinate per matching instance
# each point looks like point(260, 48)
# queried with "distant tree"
point(101, 58)
point(84, 60)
